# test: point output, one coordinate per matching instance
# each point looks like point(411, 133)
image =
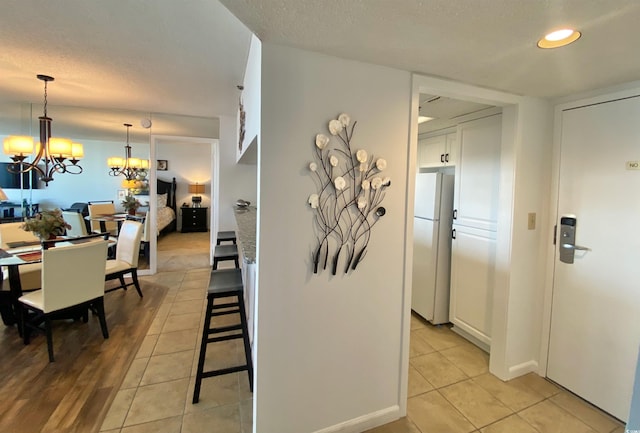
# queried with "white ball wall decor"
point(346, 206)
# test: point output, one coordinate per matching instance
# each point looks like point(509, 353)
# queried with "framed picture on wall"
point(122, 194)
point(162, 165)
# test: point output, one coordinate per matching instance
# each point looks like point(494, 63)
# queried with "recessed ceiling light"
point(559, 38)
point(422, 119)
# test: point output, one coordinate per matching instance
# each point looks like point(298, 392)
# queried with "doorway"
point(191, 161)
point(499, 364)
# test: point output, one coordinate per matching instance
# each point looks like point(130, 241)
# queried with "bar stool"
point(223, 253)
point(227, 236)
point(224, 283)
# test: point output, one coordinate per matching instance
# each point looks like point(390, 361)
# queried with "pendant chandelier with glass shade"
point(57, 155)
point(130, 168)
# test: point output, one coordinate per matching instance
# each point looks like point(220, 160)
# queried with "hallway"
point(452, 391)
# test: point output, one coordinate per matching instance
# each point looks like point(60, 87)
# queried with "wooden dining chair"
point(126, 261)
point(103, 208)
point(71, 281)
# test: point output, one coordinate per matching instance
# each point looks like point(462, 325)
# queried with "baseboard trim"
point(472, 338)
point(522, 369)
point(365, 422)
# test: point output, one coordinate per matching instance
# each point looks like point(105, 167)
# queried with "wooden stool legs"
point(224, 283)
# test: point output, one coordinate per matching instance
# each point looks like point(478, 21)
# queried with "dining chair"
point(79, 228)
point(126, 261)
point(103, 208)
point(145, 240)
point(77, 223)
point(71, 281)
point(11, 235)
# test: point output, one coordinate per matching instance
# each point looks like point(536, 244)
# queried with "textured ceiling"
point(488, 43)
point(186, 57)
point(148, 55)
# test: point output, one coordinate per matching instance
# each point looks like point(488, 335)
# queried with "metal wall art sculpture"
point(350, 188)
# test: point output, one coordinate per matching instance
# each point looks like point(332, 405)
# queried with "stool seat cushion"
point(226, 235)
point(221, 251)
point(225, 280)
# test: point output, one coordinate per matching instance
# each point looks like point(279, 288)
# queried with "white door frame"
point(605, 95)
point(215, 174)
point(511, 109)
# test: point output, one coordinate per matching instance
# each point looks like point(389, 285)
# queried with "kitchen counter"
point(246, 234)
point(246, 219)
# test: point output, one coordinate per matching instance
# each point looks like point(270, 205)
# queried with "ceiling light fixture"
point(53, 151)
point(422, 119)
point(130, 168)
point(559, 38)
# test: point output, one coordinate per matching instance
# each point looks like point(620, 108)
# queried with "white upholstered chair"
point(76, 221)
point(10, 234)
point(103, 208)
point(71, 277)
point(127, 252)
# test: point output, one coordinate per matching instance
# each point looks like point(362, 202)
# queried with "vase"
point(131, 211)
point(49, 237)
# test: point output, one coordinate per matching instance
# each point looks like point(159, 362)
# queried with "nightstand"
point(194, 219)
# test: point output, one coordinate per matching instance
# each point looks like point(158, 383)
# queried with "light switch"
point(531, 221)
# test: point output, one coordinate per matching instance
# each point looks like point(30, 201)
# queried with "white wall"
point(236, 180)
point(251, 102)
point(328, 347)
point(525, 183)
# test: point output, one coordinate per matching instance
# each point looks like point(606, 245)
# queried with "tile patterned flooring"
point(156, 393)
point(450, 388)
point(452, 391)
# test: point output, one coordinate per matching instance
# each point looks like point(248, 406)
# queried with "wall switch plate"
point(531, 221)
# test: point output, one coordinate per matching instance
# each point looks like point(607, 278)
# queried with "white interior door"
point(595, 323)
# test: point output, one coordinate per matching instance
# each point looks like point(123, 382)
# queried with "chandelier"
point(56, 153)
point(130, 168)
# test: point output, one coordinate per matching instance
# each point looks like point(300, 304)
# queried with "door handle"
point(575, 247)
point(442, 158)
point(446, 157)
point(453, 234)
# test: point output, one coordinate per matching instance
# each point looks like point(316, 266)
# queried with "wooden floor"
point(73, 393)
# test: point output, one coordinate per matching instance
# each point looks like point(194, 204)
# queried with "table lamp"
point(197, 189)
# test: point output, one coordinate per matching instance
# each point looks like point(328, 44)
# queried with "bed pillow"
point(162, 200)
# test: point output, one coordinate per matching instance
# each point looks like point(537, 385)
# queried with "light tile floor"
point(156, 393)
point(452, 391)
point(450, 388)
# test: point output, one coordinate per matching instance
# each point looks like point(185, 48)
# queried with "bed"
point(166, 219)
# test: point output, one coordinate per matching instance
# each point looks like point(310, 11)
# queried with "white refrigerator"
point(432, 246)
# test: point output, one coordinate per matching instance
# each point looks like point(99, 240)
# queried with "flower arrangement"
point(131, 204)
point(46, 224)
point(350, 188)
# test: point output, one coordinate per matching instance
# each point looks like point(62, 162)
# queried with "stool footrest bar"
point(224, 371)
